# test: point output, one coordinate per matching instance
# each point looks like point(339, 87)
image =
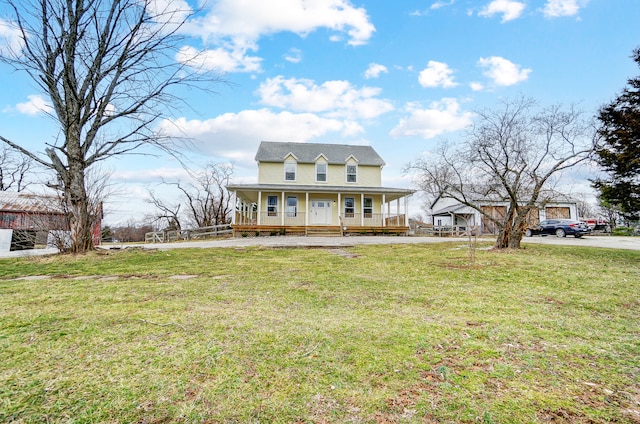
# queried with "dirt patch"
point(344, 253)
point(35, 277)
point(183, 277)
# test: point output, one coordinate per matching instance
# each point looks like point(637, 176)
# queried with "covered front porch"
point(309, 210)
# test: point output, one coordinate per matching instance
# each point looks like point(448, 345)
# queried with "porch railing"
point(273, 219)
point(373, 220)
point(299, 219)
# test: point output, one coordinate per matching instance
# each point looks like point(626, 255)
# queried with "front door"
point(320, 212)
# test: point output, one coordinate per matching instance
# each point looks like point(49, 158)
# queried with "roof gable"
point(270, 151)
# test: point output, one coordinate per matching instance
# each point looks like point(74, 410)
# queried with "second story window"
point(290, 171)
point(321, 172)
point(352, 173)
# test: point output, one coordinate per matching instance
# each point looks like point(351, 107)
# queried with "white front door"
point(320, 212)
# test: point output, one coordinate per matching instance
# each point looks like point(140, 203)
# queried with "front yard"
point(371, 334)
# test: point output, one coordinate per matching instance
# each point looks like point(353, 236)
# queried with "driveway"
point(629, 243)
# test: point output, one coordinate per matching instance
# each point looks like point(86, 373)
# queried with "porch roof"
point(250, 191)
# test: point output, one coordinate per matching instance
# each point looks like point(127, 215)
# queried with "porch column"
point(259, 207)
point(234, 200)
point(406, 211)
point(307, 209)
point(398, 211)
point(284, 206)
point(384, 201)
point(338, 210)
point(362, 209)
point(388, 212)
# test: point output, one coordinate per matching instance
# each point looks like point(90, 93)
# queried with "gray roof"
point(29, 203)
point(270, 151)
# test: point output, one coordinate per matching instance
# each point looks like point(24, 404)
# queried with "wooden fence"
point(190, 234)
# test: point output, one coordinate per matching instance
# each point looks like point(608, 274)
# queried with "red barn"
point(32, 215)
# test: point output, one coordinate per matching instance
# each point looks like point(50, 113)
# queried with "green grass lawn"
point(386, 334)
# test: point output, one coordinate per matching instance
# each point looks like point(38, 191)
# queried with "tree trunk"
point(511, 233)
point(79, 206)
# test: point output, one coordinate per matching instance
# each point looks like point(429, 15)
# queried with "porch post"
point(398, 211)
point(259, 207)
point(338, 210)
point(284, 207)
point(307, 210)
point(362, 209)
point(384, 201)
point(389, 211)
point(406, 211)
point(234, 200)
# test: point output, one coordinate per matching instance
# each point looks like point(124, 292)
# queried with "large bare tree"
point(511, 155)
point(107, 67)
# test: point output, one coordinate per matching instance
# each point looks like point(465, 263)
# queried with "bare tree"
point(208, 200)
point(585, 208)
point(166, 212)
point(131, 231)
point(510, 155)
point(108, 67)
point(13, 170)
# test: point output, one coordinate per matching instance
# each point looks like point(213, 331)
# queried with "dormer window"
point(290, 171)
point(352, 173)
point(321, 172)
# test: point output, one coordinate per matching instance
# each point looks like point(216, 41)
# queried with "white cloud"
point(440, 117)
point(237, 25)
point(558, 8)
point(294, 56)
point(219, 60)
point(509, 9)
point(502, 71)
point(234, 27)
point(374, 70)
point(441, 4)
point(153, 175)
point(10, 38)
point(235, 136)
point(169, 13)
point(436, 74)
point(34, 106)
point(476, 86)
point(333, 98)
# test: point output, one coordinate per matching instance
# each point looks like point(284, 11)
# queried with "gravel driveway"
point(629, 243)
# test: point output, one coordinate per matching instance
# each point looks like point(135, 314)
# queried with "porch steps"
point(324, 232)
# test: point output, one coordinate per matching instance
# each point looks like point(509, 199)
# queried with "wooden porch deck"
point(244, 230)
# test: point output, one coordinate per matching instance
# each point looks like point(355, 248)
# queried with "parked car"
point(559, 227)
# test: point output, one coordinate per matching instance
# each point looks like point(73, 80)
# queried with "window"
point(352, 173)
point(367, 207)
point(292, 206)
point(290, 171)
point(272, 205)
point(321, 172)
point(349, 207)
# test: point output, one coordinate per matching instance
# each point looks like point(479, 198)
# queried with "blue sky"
point(400, 76)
